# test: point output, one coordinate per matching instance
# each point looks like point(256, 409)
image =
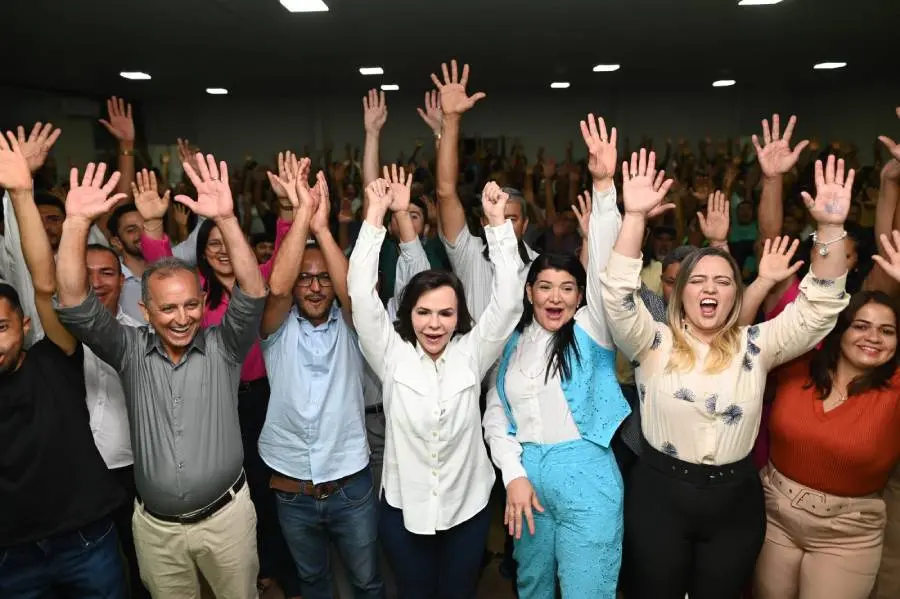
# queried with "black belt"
point(203, 513)
point(697, 474)
point(376, 409)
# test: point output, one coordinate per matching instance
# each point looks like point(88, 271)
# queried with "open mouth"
point(223, 259)
point(708, 307)
point(869, 351)
point(554, 313)
point(433, 338)
point(180, 331)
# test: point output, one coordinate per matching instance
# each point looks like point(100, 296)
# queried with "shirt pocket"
point(412, 379)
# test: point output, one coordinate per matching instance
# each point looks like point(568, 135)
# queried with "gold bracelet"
point(146, 230)
point(126, 152)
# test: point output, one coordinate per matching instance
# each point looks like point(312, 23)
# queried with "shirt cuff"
point(370, 235)
point(411, 249)
point(604, 201)
point(813, 286)
point(501, 234)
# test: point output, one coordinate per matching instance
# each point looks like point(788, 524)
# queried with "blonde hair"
point(725, 344)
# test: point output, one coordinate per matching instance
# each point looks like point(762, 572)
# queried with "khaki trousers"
point(888, 583)
point(222, 548)
point(818, 546)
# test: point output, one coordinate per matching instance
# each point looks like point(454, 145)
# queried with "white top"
point(106, 406)
point(541, 411)
point(436, 467)
point(707, 418)
point(475, 271)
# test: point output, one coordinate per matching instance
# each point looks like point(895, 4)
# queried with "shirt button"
point(434, 492)
point(434, 473)
point(434, 434)
point(181, 465)
point(434, 455)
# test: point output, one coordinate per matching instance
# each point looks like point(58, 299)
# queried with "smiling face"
point(555, 297)
point(709, 295)
point(128, 238)
point(52, 218)
point(314, 291)
point(871, 338)
point(175, 308)
point(434, 319)
point(106, 278)
point(217, 254)
point(13, 328)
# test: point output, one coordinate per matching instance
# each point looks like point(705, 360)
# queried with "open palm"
point(214, 199)
point(401, 187)
point(833, 193)
point(14, 171)
point(147, 198)
point(601, 148)
point(891, 248)
point(775, 260)
point(643, 188)
point(454, 99)
point(374, 111)
point(120, 123)
point(776, 157)
point(37, 145)
point(90, 198)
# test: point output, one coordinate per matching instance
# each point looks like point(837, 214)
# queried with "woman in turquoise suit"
point(551, 415)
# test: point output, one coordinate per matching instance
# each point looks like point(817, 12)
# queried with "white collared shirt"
point(436, 467)
point(106, 406)
point(540, 409)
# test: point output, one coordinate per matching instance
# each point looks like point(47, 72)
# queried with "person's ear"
point(528, 294)
point(144, 311)
point(26, 325)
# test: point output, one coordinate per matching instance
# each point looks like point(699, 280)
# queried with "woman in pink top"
point(217, 280)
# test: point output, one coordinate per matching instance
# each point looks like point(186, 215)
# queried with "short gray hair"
point(163, 268)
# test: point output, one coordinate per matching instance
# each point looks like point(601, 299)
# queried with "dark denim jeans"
point(84, 564)
point(349, 518)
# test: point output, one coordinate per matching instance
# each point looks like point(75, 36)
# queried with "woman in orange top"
point(835, 438)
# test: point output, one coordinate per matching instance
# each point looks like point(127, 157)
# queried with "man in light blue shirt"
point(314, 437)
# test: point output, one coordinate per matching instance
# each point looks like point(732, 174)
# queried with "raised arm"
point(605, 221)
point(774, 268)
point(374, 117)
point(806, 321)
point(286, 266)
point(775, 160)
point(335, 259)
point(887, 217)
point(505, 306)
point(433, 115)
point(716, 221)
point(77, 306)
point(633, 328)
point(15, 176)
point(121, 126)
point(454, 102)
point(214, 201)
point(373, 327)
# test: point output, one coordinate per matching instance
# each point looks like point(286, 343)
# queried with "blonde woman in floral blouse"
point(695, 516)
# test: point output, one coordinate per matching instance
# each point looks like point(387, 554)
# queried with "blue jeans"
point(84, 564)
point(349, 518)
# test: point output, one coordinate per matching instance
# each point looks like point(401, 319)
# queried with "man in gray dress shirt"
point(181, 386)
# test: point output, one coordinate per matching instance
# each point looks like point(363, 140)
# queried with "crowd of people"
point(678, 368)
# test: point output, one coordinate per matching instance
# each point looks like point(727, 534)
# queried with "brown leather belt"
point(320, 491)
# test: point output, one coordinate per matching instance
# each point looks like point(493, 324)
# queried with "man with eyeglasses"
point(314, 439)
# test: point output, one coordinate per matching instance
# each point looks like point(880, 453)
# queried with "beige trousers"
point(888, 583)
point(222, 548)
point(818, 546)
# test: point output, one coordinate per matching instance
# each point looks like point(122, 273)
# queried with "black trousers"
point(122, 518)
point(274, 557)
point(691, 528)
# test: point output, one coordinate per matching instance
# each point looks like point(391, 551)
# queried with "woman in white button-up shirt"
point(694, 514)
point(554, 408)
point(437, 477)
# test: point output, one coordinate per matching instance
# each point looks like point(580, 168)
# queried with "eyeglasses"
point(306, 279)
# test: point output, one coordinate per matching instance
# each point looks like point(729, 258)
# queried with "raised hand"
point(433, 115)
point(583, 213)
point(493, 202)
point(892, 146)
point(182, 215)
point(715, 224)
point(644, 189)
point(833, 193)
point(186, 154)
point(213, 192)
point(147, 198)
point(319, 196)
point(304, 201)
point(601, 148)
point(375, 112)
point(380, 198)
point(776, 157)
point(90, 199)
point(891, 246)
point(401, 187)
point(120, 123)
point(454, 99)
point(15, 174)
point(775, 260)
point(288, 170)
point(38, 143)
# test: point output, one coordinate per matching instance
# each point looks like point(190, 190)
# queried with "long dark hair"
point(564, 338)
point(212, 287)
point(824, 362)
point(425, 281)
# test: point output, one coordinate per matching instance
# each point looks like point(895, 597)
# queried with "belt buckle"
point(324, 491)
point(808, 492)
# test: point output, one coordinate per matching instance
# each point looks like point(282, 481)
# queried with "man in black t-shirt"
point(56, 495)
